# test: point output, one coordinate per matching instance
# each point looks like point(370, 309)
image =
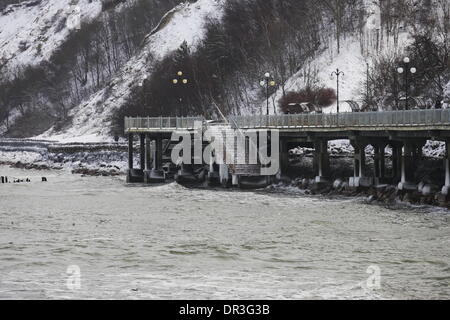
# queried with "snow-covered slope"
point(354, 55)
point(92, 118)
point(350, 61)
point(447, 95)
point(32, 30)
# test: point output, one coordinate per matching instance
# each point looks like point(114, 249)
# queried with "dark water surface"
point(174, 243)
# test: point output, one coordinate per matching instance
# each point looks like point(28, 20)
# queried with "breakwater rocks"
point(385, 194)
point(103, 172)
point(28, 166)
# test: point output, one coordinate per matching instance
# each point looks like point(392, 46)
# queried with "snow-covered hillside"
point(92, 118)
point(352, 60)
point(32, 30)
point(447, 95)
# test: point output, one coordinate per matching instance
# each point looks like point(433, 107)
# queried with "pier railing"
point(147, 123)
point(407, 118)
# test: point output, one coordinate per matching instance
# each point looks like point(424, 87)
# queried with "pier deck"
point(404, 131)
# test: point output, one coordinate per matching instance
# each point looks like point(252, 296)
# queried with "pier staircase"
point(237, 166)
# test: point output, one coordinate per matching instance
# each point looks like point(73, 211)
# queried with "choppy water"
point(171, 242)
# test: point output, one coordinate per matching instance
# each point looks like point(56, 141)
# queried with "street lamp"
point(268, 82)
point(180, 81)
point(367, 84)
point(337, 73)
point(141, 85)
point(405, 70)
point(144, 78)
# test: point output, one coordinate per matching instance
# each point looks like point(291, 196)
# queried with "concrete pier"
point(404, 131)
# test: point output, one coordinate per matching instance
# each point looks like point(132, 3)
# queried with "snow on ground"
point(67, 138)
point(350, 61)
point(432, 149)
point(14, 115)
point(22, 156)
point(32, 30)
point(447, 95)
point(101, 158)
point(92, 118)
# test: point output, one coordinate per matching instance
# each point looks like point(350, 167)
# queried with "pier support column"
point(396, 162)
point(148, 162)
point(157, 175)
point(359, 179)
point(224, 174)
point(284, 158)
point(130, 158)
point(410, 156)
point(322, 160)
point(379, 163)
point(130, 151)
point(186, 172)
point(446, 188)
point(133, 175)
point(158, 153)
point(142, 151)
point(235, 180)
point(213, 177)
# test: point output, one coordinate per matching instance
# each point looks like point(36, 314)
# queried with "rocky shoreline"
point(104, 170)
point(27, 166)
point(88, 159)
point(428, 174)
point(383, 194)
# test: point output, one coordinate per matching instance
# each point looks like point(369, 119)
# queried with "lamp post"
point(178, 82)
point(141, 85)
point(405, 70)
point(367, 85)
point(267, 82)
point(337, 73)
point(144, 78)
